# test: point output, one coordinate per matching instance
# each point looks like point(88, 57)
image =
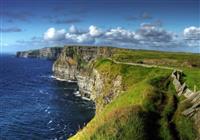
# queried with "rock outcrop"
point(47, 53)
point(193, 97)
point(74, 60)
point(76, 63)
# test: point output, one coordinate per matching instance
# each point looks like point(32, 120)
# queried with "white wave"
point(85, 98)
point(52, 129)
point(76, 92)
point(71, 81)
point(50, 122)
point(43, 92)
point(78, 95)
point(47, 109)
point(60, 79)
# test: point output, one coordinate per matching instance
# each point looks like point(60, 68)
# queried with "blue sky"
point(171, 25)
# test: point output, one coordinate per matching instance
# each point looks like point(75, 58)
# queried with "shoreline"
point(77, 92)
point(63, 80)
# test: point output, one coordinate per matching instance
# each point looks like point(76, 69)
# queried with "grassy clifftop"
point(189, 63)
point(135, 99)
point(146, 108)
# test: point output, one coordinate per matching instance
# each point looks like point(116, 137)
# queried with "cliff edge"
point(138, 94)
point(134, 99)
point(47, 53)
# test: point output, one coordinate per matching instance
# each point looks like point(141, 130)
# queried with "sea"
point(36, 106)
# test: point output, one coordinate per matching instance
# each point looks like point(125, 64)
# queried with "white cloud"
point(121, 35)
point(87, 37)
point(146, 36)
point(192, 36)
point(73, 29)
point(54, 35)
point(151, 33)
point(94, 31)
point(192, 33)
point(79, 38)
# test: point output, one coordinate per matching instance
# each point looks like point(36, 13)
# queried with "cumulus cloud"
point(73, 29)
point(79, 38)
point(74, 35)
point(54, 35)
point(192, 33)
point(192, 36)
point(151, 33)
point(121, 35)
point(95, 31)
point(147, 35)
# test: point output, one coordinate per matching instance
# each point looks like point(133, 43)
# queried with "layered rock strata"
point(48, 53)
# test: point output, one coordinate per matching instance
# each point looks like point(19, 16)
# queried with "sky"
point(167, 25)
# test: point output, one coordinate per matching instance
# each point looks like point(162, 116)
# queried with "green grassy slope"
point(148, 107)
point(189, 63)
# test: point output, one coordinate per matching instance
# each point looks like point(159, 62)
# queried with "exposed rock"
point(182, 89)
point(73, 60)
point(75, 63)
point(196, 97)
point(177, 84)
point(48, 53)
point(192, 96)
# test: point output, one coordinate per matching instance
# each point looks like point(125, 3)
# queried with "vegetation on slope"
point(145, 109)
point(188, 62)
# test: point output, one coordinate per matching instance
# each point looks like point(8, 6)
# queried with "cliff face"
point(48, 53)
point(74, 59)
point(138, 86)
point(76, 63)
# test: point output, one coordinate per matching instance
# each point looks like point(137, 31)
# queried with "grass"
point(192, 77)
point(125, 123)
point(189, 62)
point(160, 58)
point(137, 110)
point(147, 106)
point(185, 128)
point(184, 125)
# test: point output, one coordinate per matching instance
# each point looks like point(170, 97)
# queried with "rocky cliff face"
point(76, 63)
point(74, 60)
point(48, 53)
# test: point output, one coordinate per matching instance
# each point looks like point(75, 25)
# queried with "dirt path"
point(144, 65)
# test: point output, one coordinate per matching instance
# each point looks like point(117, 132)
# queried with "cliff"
point(76, 63)
point(74, 59)
point(47, 53)
point(124, 92)
point(138, 94)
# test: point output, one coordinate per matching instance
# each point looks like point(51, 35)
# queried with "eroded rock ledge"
point(75, 63)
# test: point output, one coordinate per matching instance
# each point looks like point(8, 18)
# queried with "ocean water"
point(35, 106)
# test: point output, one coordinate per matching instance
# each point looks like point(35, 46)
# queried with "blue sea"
point(35, 106)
